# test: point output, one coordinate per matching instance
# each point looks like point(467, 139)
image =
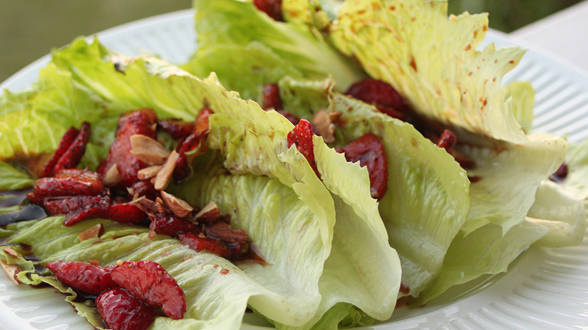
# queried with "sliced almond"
point(148, 172)
point(92, 232)
point(208, 213)
point(144, 204)
point(148, 150)
point(11, 271)
point(178, 206)
point(112, 176)
point(11, 252)
point(334, 116)
point(164, 175)
point(322, 122)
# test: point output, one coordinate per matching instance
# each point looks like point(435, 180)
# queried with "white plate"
point(545, 288)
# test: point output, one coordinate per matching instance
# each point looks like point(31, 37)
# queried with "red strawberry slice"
point(380, 94)
point(74, 153)
point(126, 213)
point(122, 311)
point(66, 140)
point(301, 136)
point(273, 8)
point(370, 152)
point(149, 281)
point(271, 97)
point(164, 224)
point(67, 183)
point(176, 128)
point(199, 243)
point(83, 276)
point(136, 122)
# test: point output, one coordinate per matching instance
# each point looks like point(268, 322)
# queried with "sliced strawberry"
point(223, 231)
point(203, 121)
point(83, 276)
point(301, 136)
point(176, 128)
point(126, 213)
point(66, 140)
point(123, 311)
point(192, 146)
point(447, 140)
point(199, 243)
point(271, 97)
point(149, 281)
point(74, 153)
point(380, 94)
point(144, 188)
point(293, 119)
point(67, 204)
point(273, 8)
point(169, 225)
point(136, 122)
point(67, 183)
point(370, 152)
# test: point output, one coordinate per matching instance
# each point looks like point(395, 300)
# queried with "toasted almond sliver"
point(148, 150)
point(112, 176)
point(164, 175)
point(208, 212)
point(178, 206)
point(323, 123)
point(11, 252)
point(92, 232)
point(11, 271)
point(334, 116)
point(148, 172)
point(144, 204)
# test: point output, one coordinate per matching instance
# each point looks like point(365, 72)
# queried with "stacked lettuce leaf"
point(336, 257)
point(324, 243)
point(447, 230)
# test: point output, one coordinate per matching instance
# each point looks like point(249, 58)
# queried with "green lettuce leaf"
point(215, 299)
point(427, 199)
point(508, 179)
point(254, 148)
point(485, 251)
point(561, 211)
point(577, 162)
point(433, 61)
point(522, 97)
point(237, 22)
point(13, 179)
point(242, 68)
point(32, 122)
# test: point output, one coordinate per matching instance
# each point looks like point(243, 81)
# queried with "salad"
point(317, 163)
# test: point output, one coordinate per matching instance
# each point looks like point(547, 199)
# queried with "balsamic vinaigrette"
point(26, 210)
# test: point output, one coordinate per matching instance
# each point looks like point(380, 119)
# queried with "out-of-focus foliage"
point(509, 15)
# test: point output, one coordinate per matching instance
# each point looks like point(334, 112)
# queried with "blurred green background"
point(30, 28)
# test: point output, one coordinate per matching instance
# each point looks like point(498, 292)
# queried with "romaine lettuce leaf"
point(522, 98)
point(32, 122)
point(242, 68)
point(253, 142)
point(427, 199)
point(561, 211)
point(485, 251)
point(508, 178)
point(214, 299)
point(433, 61)
point(237, 22)
point(577, 162)
point(13, 179)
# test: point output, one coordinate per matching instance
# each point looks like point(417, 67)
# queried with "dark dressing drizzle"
point(26, 211)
